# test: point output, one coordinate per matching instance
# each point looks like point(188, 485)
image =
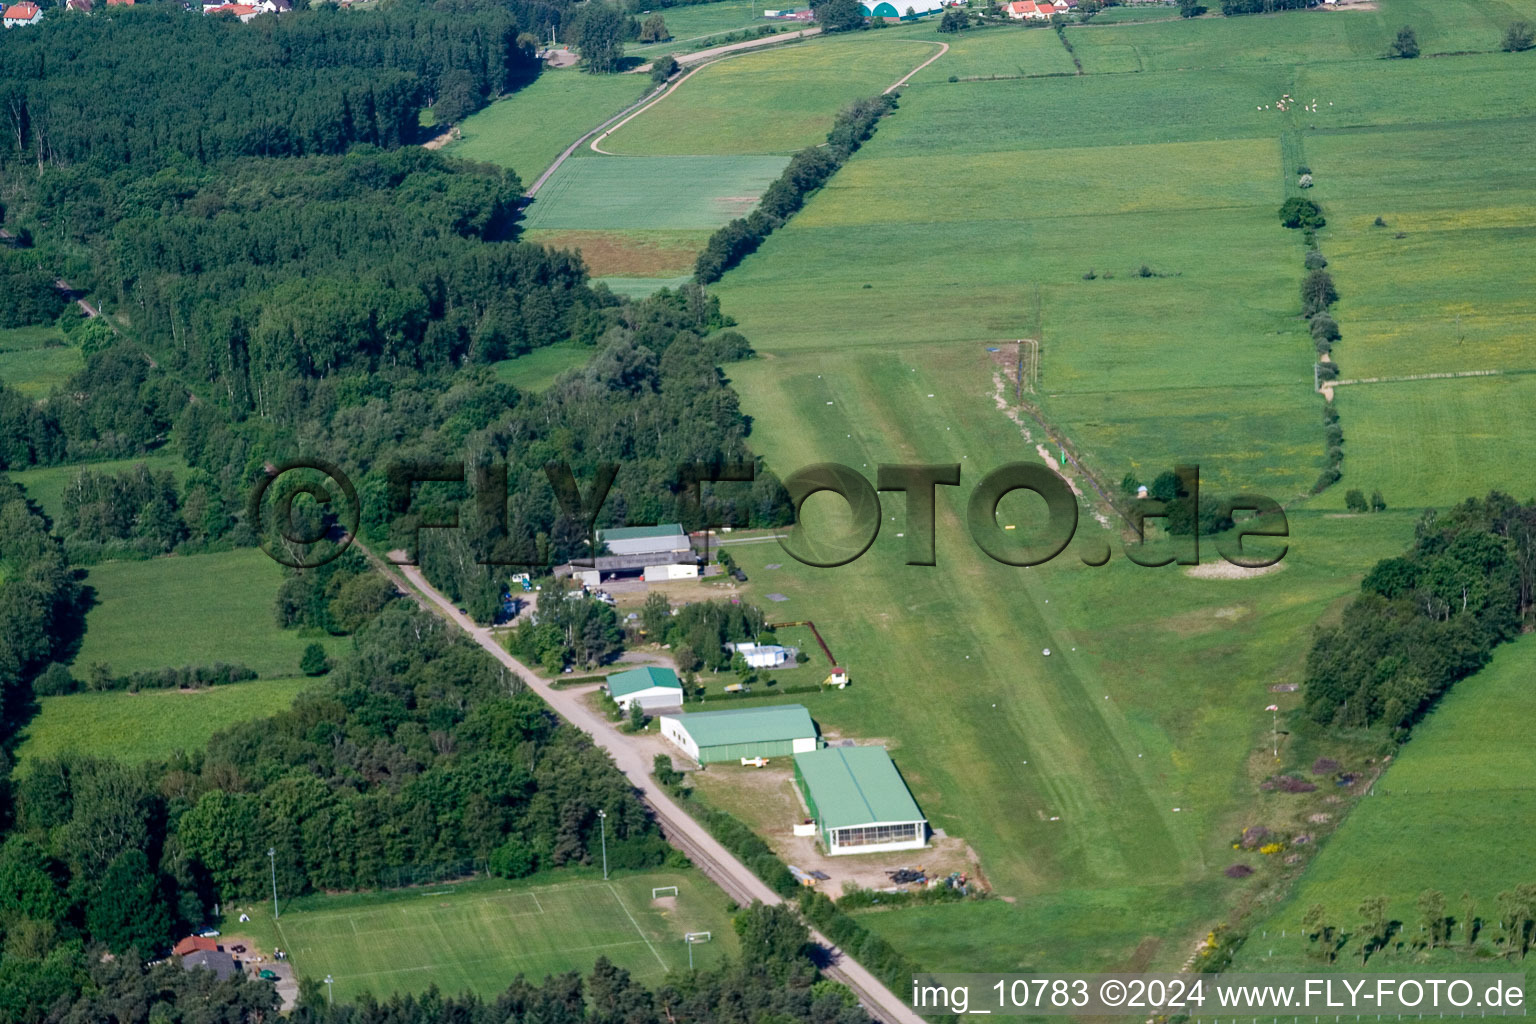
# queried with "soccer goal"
point(696, 937)
point(665, 890)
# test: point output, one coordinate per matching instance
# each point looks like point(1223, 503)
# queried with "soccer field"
point(479, 937)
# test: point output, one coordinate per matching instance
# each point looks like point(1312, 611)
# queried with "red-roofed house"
point(193, 943)
point(24, 13)
point(245, 12)
point(114, 3)
point(1028, 10)
point(83, 6)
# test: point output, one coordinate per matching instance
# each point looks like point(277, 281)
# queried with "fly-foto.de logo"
point(1251, 515)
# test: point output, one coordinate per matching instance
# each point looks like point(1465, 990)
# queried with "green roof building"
point(859, 801)
point(905, 10)
point(668, 538)
point(652, 687)
point(710, 736)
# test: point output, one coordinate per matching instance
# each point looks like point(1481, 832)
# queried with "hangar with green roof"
point(778, 730)
point(649, 686)
point(859, 801)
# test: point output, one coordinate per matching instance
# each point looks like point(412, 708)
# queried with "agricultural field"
point(46, 484)
point(35, 360)
point(134, 727)
point(478, 936)
point(538, 369)
point(1100, 784)
point(528, 129)
point(191, 610)
point(649, 193)
point(1005, 52)
point(1454, 812)
point(642, 209)
point(793, 93)
point(693, 27)
point(1294, 38)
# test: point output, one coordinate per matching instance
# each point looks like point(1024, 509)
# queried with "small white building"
point(662, 573)
point(763, 655)
point(650, 687)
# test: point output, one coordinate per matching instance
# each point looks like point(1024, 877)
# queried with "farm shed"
point(903, 9)
point(650, 687)
point(859, 801)
point(711, 736)
point(647, 540)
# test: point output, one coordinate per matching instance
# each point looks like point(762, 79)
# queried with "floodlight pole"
point(602, 823)
point(272, 856)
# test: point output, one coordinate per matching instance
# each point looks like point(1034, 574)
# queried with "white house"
point(24, 13)
point(763, 655)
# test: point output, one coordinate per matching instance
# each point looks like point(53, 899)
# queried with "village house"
point(25, 13)
point(1028, 10)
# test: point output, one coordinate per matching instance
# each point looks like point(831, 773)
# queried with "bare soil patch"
point(1228, 571)
point(611, 253)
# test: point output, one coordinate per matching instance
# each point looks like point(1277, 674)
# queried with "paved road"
point(718, 863)
point(751, 44)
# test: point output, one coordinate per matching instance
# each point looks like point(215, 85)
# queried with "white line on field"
point(637, 926)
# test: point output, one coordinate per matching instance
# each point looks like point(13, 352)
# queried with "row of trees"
point(41, 605)
point(1427, 618)
point(808, 170)
point(1515, 917)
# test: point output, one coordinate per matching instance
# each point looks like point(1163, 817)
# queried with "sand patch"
point(1227, 571)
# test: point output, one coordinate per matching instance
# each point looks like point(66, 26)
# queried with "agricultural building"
point(859, 801)
point(711, 736)
point(650, 687)
point(646, 540)
point(653, 553)
point(901, 9)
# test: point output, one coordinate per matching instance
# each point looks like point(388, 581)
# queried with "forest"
point(1428, 618)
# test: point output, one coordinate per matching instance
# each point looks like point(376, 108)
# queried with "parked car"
point(266, 975)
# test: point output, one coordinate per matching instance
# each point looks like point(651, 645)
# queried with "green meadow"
point(151, 724)
point(692, 27)
point(1005, 51)
point(1294, 38)
point(35, 360)
point(651, 192)
point(1101, 784)
point(793, 93)
point(1455, 812)
point(528, 129)
point(538, 369)
point(478, 936)
point(46, 485)
point(190, 610)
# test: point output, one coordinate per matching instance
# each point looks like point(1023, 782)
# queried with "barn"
point(902, 9)
point(711, 736)
point(859, 801)
point(650, 687)
point(668, 538)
